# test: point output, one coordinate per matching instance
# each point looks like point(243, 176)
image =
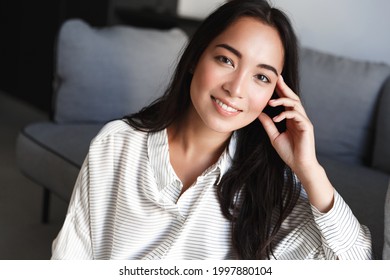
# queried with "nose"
point(235, 85)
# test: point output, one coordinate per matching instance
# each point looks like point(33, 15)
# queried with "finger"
point(301, 121)
point(284, 90)
point(288, 103)
point(269, 126)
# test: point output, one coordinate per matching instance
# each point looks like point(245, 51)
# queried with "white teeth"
point(225, 107)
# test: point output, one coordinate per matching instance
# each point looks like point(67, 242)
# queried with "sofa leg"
point(45, 206)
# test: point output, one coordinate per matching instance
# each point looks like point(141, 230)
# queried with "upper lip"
point(227, 103)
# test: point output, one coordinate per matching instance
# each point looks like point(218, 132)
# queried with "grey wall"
point(354, 28)
point(197, 9)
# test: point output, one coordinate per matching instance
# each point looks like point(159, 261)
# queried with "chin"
point(223, 125)
point(223, 128)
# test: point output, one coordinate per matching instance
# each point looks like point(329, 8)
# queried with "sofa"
point(108, 72)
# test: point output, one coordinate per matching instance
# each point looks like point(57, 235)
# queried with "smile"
point(224, 106)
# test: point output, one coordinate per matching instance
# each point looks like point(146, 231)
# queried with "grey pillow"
point(106, 73)
point(340, 96)
point(381, 159)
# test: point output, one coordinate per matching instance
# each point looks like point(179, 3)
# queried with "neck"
point(193, 147)
point(194, 138)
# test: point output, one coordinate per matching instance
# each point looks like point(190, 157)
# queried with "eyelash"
point(263, 78)
point(226, 60)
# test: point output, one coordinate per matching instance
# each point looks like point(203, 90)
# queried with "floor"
point(22, 235)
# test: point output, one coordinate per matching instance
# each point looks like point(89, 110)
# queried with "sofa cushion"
point(364, 190)
point(381, 157)
point(106, 73)
point(340, 96)
point(51, 155)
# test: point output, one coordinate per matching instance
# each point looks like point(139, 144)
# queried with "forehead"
point(255, 40)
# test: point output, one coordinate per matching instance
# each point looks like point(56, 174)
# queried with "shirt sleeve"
point(74, 239)
point(342, 235)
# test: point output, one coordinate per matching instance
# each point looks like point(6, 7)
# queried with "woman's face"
point(236, 75)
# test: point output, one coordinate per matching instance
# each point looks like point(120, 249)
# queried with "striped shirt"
point(126, 205)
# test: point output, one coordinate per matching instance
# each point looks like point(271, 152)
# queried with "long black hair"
point(258, 191)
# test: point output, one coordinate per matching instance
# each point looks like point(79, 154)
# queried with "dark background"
point(28, 31)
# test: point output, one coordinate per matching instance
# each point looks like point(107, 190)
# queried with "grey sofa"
point(105, 73)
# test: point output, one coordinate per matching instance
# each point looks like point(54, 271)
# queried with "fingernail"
point(271, 102)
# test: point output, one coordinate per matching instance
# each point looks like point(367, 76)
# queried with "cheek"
point(258, 102)
point(202, 79)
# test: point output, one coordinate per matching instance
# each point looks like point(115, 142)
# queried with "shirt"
point(126, 205)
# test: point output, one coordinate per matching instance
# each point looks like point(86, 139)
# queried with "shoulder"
point(117, 130)
point(118, 137)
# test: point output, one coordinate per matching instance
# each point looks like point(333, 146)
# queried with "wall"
point(28, 30)
point(354, 28)
point(197, 9)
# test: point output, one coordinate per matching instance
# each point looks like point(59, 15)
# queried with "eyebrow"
point(239, 55)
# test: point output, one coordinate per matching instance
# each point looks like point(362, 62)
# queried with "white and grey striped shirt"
point(125, 206)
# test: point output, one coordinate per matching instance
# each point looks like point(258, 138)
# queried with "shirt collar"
point(158, 152)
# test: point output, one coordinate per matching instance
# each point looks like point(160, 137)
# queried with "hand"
point(296, 145)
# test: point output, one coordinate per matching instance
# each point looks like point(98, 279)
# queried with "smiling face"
point(236, 75)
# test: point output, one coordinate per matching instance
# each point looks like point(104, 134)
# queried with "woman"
point(223, 166)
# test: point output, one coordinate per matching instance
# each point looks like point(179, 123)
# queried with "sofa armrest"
point(381, 155)
point(386, 245)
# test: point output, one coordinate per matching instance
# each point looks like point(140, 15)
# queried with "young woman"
point(223, 166)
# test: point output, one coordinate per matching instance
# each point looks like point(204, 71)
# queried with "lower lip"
point(222, 111)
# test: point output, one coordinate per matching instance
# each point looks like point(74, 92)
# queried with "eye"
point(224, 60)
point(262, 78)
